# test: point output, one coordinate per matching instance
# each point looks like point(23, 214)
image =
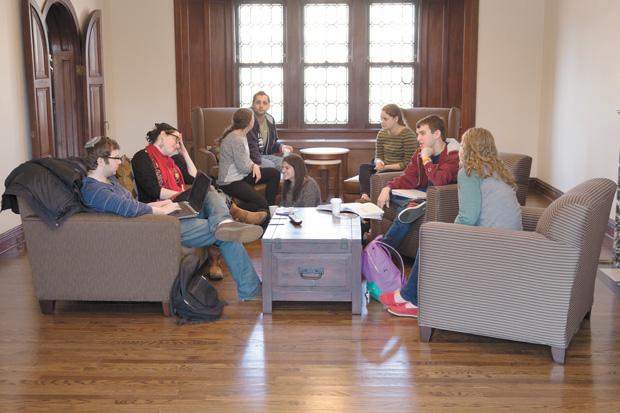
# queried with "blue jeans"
point(200, 232)
point(398, 230)
point(410, 291)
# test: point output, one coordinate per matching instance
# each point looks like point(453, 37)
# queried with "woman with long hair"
point(393, 149)
point(238, 173)
point(487, 198)
point(299, 189)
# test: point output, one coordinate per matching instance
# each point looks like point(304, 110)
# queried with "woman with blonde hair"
point(487, 198)
point(393, 149)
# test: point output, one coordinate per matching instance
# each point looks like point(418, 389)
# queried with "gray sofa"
point(102, 257)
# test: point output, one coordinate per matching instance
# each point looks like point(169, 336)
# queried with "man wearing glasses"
point(102, 192)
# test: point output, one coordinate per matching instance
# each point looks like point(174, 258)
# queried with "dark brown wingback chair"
point(208, 124)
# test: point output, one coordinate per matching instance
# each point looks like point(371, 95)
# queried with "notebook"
point(195, 198)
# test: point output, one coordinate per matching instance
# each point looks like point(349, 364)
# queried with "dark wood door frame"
point(67, 76)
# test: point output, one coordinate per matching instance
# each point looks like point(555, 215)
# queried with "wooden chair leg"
point(425, 334)
point(165, 306)
point(47, 306)
point(558, 354)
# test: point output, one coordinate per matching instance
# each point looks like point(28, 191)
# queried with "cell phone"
point(295, 220)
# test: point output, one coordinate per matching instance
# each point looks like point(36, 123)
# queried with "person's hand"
point(166, 209)
point(162, 203)
point(426, 152)
point(286, 149)
point(379, 165)
point(384, 197)
point(256, 172)
point(182, 148)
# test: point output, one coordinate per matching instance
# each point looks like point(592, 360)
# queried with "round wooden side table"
point(323, 161)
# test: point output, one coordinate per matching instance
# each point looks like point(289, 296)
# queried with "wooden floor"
point(304, 358)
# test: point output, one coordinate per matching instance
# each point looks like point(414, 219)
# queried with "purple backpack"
point(378, 266)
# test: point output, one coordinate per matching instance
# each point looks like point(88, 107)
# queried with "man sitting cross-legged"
point(102, 192)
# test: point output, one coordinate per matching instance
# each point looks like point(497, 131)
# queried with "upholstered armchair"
point(442, 201)
point(208, 124)
point(534, 286)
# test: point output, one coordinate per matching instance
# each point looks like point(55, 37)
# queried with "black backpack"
point(193, 299)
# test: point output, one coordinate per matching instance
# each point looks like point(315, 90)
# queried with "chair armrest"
point(206, 161)
point(442, 203)
point(378, 181)
point(530, 217)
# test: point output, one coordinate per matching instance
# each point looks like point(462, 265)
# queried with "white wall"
point(580, 130)
point(13, 104)
point(510, 59)
point(140, 69)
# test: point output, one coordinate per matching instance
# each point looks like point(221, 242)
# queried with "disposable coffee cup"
point(272, 209)
point(336, 206)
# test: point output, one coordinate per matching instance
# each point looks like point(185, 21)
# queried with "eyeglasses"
point(118, 158)
point(178, 138)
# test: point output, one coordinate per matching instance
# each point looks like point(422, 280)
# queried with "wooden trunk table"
point(317, 261)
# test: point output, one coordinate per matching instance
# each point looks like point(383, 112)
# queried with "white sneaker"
point(412, 212)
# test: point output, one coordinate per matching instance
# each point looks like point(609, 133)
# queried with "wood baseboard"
point(12, 239)
point(552, 194)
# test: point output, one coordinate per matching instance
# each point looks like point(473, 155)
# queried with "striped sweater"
point(112, 198)
point(396, 149)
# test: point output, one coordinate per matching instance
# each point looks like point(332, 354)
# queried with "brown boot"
point(215, 271)
point(248, 217)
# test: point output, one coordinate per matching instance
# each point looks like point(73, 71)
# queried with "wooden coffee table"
point(317, 261)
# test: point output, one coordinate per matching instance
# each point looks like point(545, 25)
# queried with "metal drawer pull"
point(310, 273)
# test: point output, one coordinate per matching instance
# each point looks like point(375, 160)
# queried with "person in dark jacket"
point(265, 150)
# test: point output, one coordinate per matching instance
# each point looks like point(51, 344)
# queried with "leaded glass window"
point(326, 63)
point(260, 54)
point(391, 56)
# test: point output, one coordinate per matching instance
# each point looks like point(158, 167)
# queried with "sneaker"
point(237, 231)
point(412, 212)
point(389, 299)
point(404, 310)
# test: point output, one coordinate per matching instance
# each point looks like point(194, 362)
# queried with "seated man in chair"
point(102, 192)
point(435, 162)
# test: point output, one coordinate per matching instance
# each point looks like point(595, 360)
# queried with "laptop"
point(195, 197)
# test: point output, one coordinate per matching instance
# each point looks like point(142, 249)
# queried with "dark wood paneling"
point(95, 89)
point(38, 80)
point(205, 48)
point(204, 40)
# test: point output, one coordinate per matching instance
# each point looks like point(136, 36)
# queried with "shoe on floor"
point(214, 269)
point(404, 310)
point(412, 212)
point(237, 231)
point(389, 298)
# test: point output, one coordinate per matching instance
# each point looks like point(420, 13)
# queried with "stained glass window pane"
point(266, 78)
point(326, 99)
point(392, 32)
point(326, 33)
point(261, 33)
point(389, 84)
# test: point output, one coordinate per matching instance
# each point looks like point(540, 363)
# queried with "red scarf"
point(168, 173)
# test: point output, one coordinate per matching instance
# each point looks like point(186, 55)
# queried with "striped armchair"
point(534, 286)
point(442, 201)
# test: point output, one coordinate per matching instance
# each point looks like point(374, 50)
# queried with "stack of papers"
point(367, 210)
point(414, 194)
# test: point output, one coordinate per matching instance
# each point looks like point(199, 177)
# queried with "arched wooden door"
point(65, 45)
point(93, 61)
point(38, 79)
